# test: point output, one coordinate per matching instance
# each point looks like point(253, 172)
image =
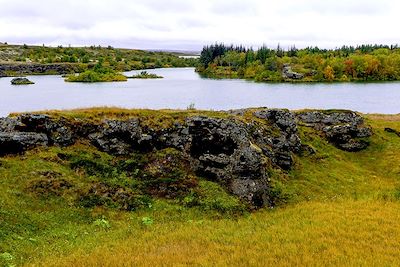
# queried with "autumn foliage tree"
point(329, 73)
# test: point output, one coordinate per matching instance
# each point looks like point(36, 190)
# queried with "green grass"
point(348, 233)
point(339, 208)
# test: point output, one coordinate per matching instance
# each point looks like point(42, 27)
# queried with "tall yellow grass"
point(343, 233)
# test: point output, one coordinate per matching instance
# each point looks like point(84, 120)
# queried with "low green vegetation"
point(77, 206)
point(91, 76)
point(98, 74)
point(145, 75)
point(312, 64)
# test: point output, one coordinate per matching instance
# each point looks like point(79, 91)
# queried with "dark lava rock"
point(285, 141)
point(237, 152)
point(37, 68)
point(59, 132)
point(9, 124)
point(118, 137)
point(176, 137)
point(344, 129)
point(21, 81)
point(321, 118)
point(17, 142)
point(221, 150)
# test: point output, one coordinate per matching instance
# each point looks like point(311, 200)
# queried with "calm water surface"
point(181, 87)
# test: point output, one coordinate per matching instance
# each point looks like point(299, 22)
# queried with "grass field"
point(340, 209)
point(339, 233)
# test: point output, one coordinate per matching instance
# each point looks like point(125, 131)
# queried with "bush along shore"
point(311, 64)
point(112, 178)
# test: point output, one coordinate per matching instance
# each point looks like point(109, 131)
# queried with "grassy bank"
point(340, 209)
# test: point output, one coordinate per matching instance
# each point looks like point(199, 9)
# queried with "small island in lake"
point(145, 75)
point(99, 73)
point(21, 81)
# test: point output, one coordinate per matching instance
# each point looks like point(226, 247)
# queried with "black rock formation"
point(236, 151)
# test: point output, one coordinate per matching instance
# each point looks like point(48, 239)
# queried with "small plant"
point(6, 259)
point(102, 223)
point(147, 221)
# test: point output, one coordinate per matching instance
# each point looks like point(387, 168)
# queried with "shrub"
point(101, 194)
point(147, 221)
point(102, 223)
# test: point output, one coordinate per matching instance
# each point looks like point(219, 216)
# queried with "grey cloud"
point(338, 7)
point(175, 6)
point(234, 7)
point(189, 24)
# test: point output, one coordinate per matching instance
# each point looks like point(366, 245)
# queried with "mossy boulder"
point(21, 81)
point(344, 129)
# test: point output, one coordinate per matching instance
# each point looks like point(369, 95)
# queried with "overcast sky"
point(189, 24)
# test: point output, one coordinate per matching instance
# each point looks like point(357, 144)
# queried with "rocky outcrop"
point(21, 81)
point(237, 150)
point(118, 137)
point(285, 141)
point(14, 69)
point(344, 129)
point(222, 150)
point(287, 73)
point(17, 142)
point(58, 131)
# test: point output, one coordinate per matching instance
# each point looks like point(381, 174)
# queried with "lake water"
point(182, 87)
